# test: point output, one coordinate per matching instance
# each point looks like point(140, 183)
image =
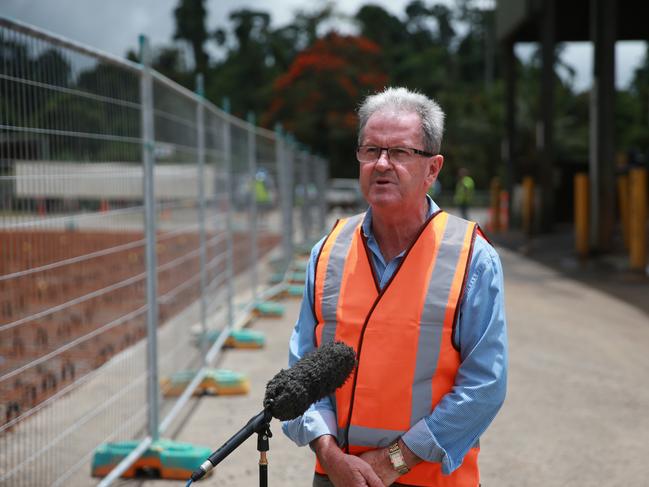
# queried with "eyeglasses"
point(369, 154)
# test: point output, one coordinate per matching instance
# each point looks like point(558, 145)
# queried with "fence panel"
point(179, 228)
point(309, 186)
point(72, 268)
point(218, 202)
point(73, 246)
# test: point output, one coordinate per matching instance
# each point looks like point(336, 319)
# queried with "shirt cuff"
point(422, 442)
point(311, 425)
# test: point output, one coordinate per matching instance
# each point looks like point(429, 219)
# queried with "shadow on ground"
point(608, 273)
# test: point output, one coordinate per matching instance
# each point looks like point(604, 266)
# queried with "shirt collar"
point(367, 221)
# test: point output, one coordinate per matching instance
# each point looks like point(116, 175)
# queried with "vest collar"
point(368, 235)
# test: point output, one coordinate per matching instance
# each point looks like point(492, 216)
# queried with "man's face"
point(398, 187)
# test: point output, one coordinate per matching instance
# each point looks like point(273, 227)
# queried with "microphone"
point(290, 393)
point(316, 375)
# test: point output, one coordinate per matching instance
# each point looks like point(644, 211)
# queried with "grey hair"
point(401, 100)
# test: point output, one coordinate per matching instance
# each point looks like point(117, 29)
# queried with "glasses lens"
point(400, 155)
point(367, 153)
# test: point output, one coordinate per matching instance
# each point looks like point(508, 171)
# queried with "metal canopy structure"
point(601, 22)
point(517, 20)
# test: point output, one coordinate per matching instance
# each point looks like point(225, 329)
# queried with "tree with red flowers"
point(316, 98)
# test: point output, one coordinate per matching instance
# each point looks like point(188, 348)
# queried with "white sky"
point(114, 25)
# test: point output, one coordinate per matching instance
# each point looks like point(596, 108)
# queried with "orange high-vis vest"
point(402, 335)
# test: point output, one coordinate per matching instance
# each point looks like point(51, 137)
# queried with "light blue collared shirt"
point(462, 415)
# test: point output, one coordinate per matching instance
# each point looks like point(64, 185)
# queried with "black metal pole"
point(262, 447)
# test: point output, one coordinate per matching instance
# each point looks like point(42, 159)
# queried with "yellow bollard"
point(638, 219)
point(504, 211)
point(623, 198)
point(581, 214)
point(528, 204)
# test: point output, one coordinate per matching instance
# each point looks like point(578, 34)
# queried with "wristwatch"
point(396, 457)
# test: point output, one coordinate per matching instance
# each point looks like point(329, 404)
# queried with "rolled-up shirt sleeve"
point(462, 415)
point(320, 418)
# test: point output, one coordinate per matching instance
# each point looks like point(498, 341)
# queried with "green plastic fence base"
point(269, 309)
point(297, 277)
point(220, 382)
point(292, 277)
point(295, 290)
point(237, 339)
point(246, 339)
point(169, 459)
point(276, 278)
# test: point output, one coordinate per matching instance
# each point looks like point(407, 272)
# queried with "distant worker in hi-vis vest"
point(464, 189)
point(418, 294)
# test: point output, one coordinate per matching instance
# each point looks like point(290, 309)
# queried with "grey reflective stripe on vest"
point(334, 276)
point(432, 317)
point(376, 437)
point(363, 436)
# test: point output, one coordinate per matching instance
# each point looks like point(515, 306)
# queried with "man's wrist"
point(408, 456)
point(325, 447)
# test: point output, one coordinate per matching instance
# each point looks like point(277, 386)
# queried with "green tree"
point(245, 75)
point(256, 54)
point(632, 113)
point(317, 97)
point(190, 26)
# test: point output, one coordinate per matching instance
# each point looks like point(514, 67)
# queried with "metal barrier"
point(135, 218)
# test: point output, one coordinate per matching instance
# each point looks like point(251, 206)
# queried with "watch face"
point(396, 458)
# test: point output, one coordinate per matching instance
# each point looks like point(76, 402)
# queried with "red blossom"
point(322, 88)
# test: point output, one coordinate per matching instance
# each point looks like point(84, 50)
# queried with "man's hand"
point(344, 470)
point(379, 460)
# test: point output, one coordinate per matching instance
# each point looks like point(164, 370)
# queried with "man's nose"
point(383, 162)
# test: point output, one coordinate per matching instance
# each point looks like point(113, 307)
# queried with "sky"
point(103, 25)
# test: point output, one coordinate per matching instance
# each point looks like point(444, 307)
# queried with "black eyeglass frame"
point(387, 150)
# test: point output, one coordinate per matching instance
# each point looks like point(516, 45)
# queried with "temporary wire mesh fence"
point(81, 335)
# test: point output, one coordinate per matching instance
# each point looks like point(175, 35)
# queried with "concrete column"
point(509, 146)
point(546, 170)
point(602, 128)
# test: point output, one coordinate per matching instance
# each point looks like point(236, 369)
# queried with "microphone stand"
point(262, 448)
point(259, 424)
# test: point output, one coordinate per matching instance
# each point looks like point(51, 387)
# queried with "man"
point(464, 192)
point(419, 295)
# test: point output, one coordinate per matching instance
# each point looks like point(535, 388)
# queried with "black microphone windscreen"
point(316, 375)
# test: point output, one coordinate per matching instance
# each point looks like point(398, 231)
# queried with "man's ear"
point(434, 167)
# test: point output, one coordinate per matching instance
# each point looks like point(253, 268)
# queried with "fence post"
point(150, 225)
point(306, 204)
point(289, 151)
point(252, 168)
point(200, 127)
point(229, 265)
point(322, 194)
point(284, 191)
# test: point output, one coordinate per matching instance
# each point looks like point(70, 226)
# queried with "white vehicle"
point(345, 194)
